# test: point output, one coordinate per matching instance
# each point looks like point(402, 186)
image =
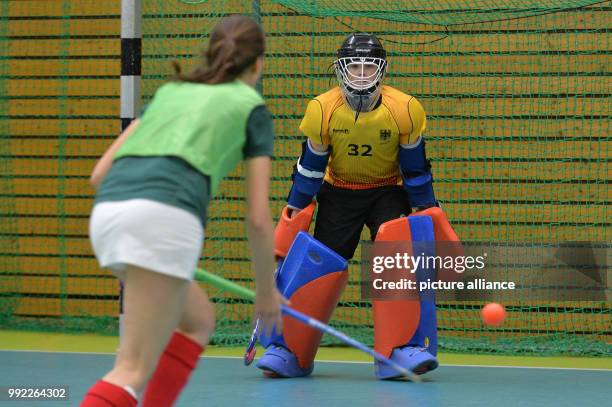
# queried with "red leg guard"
point(395, 322)
point(318, 300)
point(105, 394)
point(442, 229)
point(173, 370)
point(391, 331)
point(447, 242)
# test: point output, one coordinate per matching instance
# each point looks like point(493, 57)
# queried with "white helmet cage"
point(361, 80)
point(360, 68)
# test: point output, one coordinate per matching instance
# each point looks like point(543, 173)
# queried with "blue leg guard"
point(426, 335)
point(312, 277)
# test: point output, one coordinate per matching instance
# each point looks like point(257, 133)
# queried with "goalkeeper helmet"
point(361, 68)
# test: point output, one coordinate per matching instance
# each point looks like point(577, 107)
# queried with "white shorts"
point(147, 234)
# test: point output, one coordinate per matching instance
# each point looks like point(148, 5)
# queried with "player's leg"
point(340, 219)
point(404, 331)
point(311, 277)
point(447, 245)
point(181, 355)
point(165, 242)
point(153, 304)
point(390, 203)
point(198, 319)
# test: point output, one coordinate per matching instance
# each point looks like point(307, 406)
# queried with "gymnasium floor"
point(462, 380)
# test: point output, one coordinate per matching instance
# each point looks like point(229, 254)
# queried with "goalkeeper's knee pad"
point(288, 227)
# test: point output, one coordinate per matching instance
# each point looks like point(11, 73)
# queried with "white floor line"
point(334, 361)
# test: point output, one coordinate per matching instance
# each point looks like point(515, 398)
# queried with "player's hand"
point(268, 310)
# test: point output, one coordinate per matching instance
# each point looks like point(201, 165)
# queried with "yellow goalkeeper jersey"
point(364, 153)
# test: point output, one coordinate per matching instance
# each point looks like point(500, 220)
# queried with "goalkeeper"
point(364, 160)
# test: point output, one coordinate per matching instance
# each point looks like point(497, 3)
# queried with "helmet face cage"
point(360, 69)
point(361, 79)
point(360, 73)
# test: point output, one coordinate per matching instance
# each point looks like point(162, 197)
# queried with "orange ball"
point(493, 314)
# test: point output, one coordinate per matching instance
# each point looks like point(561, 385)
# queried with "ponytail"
point(235, 44)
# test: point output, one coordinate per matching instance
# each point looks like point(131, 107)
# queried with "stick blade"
point(249, 356)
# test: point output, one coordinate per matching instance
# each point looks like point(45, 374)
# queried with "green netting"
point(517, 95)
point(446, 12)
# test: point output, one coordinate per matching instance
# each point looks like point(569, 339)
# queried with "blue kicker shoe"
point(414, 358)
point(279, 361)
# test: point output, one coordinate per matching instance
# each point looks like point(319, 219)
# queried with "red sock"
point(173, 370)
point(105, 394)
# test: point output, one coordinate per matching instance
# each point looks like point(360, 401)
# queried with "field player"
point(154, 185)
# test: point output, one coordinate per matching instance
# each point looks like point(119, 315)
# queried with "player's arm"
point(307, 179)
point(414, 165)
point(308, 175)
point(309, 170)
point(260, 231)
point(322, 148)
point(258, 151)
point(106, 161)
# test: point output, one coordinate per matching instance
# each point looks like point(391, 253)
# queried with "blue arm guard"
point(307, 176)
point(416, 175)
